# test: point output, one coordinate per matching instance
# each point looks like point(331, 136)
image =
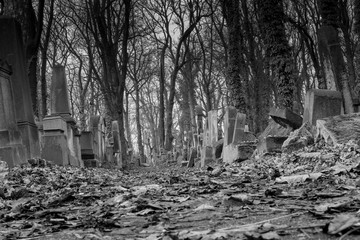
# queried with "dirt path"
point(251, 200)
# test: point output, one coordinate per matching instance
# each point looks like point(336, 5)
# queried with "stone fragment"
point(286, 117)
point(299, 138)
point(236, 153)
point(320, 103)
point(272, 138)
point(339, 130)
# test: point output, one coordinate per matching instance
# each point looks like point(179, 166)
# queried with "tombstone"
point(229, 124)
point(286, 118)
point(55, 144)
point(321, 103)
point(212, 127)
point(207, 156)
point(239, 143)
point(88, 154)
point(12, 150)
point(12, 50)
point(61, 122)
point(98, 126)
point(77, 147)
point(117, 143)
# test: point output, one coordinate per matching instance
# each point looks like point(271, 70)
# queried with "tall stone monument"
point(12, 51)
point(11, 148)
point(60, 132)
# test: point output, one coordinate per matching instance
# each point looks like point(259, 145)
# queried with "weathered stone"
point(218, 148)
point(298, 139)
point(11, 148)
point(59, 101)
point(272, 138)
point(233, 153)
point(12, 50)
point(273, 144)
point(239, 128)
point(321, 103)
point(55, 142)
point(98, 126)
point(338, 130)
point(91, 163)
point(55, 148)
point(229, 124)
point(286, 118)
point(193, 155)
point(212, 127)
point(206, 156)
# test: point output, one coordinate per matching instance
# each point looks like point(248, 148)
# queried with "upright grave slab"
point(88, 154)
point(97, 127)
point(12, 51)
point(212, 126)
point(239, 143)
point(117, 143)
point(321, 103)
point(12, 150)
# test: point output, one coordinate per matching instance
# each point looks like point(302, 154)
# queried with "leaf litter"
point(312, 193)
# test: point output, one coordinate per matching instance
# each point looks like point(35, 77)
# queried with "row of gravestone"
point(239, 144)
point(56, 138)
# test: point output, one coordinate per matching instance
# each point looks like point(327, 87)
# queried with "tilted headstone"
point(320, 103)
point(12, 150)
point(12, 51)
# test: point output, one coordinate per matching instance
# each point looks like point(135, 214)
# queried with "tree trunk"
point(234, 82)
point(138, 122)
point(277, 50)
point(161, 96)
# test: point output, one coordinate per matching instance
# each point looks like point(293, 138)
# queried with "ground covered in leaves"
point(309, 194)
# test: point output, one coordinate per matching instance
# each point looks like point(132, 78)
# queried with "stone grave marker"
point(12, 150)
point(12, 51)
point(320, 103)
point(98, 126)
point(117, 143)
point(60, 120)
point(229, 124)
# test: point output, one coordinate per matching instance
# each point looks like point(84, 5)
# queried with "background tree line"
point(148, 64)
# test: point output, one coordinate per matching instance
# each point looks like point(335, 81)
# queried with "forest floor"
point(310, 194)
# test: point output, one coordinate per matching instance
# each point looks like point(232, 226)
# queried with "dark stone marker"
point(12, 51)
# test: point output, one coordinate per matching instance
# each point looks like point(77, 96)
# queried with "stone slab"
point(56, 148)
point(91, 163)
point(271, 144)
point(57, 123)
point(240, 152)
point(13, 155)
point(207, 156)
point(229, 124)
point(320, 104)
point(286, 117)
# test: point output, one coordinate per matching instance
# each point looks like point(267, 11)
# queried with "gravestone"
point(59, 126)
point(88, 154)
point(117, 143)
point(97, 127)
point(12, 51)
point(229, 124)
point(320, 103)
point(12, 150)
point(55, 143)
point(212, 127)
point(286, 118)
